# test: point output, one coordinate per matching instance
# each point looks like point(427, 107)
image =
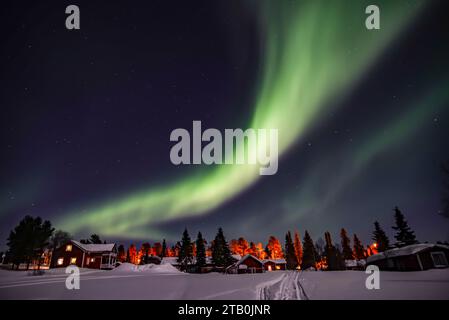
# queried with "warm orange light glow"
point(375, 245)
point(278, 267)
point(269, 268)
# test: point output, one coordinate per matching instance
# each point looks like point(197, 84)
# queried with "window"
point(68, 247)
point(72, 260)
point(439, 259)
point(60, 261)
point(92, 259)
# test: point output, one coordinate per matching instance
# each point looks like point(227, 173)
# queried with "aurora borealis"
point(349, 105)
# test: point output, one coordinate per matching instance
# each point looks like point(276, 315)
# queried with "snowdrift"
point(150, 268)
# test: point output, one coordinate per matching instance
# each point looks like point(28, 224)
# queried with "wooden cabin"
point(93, 256)
point(274, 264)
point(247, 264)
point(414, 257)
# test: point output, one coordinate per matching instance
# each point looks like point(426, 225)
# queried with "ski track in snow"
point(287, 287)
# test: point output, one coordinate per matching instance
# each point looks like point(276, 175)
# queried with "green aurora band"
point(312, 53)
point(313, 198)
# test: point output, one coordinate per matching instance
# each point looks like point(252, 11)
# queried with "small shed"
point(274, 264)
point(414, 257)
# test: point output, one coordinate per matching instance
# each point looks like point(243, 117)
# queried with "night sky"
point(86, 116)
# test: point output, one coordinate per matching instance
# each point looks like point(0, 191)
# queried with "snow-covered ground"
point(165, 282)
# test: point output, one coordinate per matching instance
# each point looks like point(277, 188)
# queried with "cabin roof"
point(276, 261)
point(405, 251)
point(94, 247)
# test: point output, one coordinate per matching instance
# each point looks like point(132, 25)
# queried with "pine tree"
point(298, 248)
point(164, 249)
point(185, 251)
point(121, 255)
point(200, 251)
point(330, 253)
point(95, 239)
point(290, 255)
point(346, 245)
point(309, 252)
point(359, 251)
point(380, 237)
point(221, 255)
point(404, 235)
point(341, 265)
point(28, 240)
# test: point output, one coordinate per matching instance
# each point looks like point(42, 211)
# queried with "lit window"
point(72, 260)
point(278, 267)
point(60, 261)
point(92, 259)
point(68, 247)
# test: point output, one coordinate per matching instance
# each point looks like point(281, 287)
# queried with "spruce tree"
point(404, 235)
point(121, 255)
point(359, 250)
point(346, 245)
point(380, 237)
point(330, 252)
point(200, 251)
point(185, 252)
point(290, 255)
point(221, 254)
point(309, 253)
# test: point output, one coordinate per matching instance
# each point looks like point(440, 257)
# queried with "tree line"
point(32, 236)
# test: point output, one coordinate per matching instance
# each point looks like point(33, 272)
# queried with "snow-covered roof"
point(236, 256)
point(404, 251)
point(277, 261)
point(246, 257)
point(94, 247)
